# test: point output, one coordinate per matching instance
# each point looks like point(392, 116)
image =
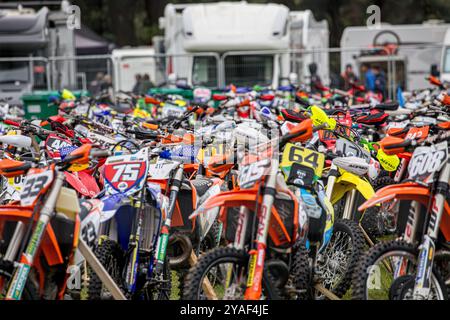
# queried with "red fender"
point(89, 182)
point(75, 182)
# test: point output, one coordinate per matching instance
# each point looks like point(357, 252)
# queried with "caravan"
point(27, 38)
point(405, 52)
point(216, 44)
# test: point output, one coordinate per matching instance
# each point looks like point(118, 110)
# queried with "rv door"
point(445, 74)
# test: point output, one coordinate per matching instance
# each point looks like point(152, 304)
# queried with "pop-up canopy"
point(23, 31)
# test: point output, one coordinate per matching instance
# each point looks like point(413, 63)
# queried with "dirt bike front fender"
point(235, 198)
point(347, 182)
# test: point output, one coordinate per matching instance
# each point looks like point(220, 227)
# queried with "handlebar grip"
point(23, 167)
point(288, 137)
point(99, 153)
point(69, 159)
point(30, 159)
point(405, 143)
point(11, 123)
point(320, 127)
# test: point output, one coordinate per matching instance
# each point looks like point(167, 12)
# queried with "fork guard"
point(412, 192)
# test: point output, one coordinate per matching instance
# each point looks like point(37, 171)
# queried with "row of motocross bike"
point(247, 193)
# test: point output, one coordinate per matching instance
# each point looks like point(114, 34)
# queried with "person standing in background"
point(107, 86)
point(380, 80)
point(146, 84)
point(137, 86)
point(316, 82)
point(369, 77)
point(96, 85)
point(348, 77)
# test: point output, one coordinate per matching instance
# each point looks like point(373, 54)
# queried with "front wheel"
point(375, 277)
point(222, 274)
point(337, 262)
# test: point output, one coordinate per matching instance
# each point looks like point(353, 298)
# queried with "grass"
point(175, 292)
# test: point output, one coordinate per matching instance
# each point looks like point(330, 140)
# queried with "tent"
point(87, 42)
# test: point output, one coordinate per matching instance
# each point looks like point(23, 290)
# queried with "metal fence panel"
point(407, 66)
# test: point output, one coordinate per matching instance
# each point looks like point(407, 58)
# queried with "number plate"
point(172, 111)
point(253, 172)
point(16, 182)
point(54, 143)
point(426, 161)
point(34, 185)
point(418, 133)
point(162, 168)
point(346, 148)
point(126, 174)
point(100, 139)
point(293, 154)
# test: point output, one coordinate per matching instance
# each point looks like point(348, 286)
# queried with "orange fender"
point(234, 198)
point(406, 191)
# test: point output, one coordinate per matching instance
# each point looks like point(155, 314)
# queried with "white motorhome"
point(27, 38)
point(445, 64)
point(414, 49)
point(128, 62)
point(215, 44)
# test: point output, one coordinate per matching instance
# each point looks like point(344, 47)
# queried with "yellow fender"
point(347, 182)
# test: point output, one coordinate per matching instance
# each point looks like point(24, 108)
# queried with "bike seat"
point(388, 106)
point(292, 116)
point(143, 134)
point(355, 165)
point(375, 118)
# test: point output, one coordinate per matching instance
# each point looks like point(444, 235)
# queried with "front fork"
point(132, 266)
point(257, 255)
point(163, 239)
point(427, 251)
point(23, 268)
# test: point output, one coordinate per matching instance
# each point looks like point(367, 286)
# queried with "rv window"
point(249, 70)
point(447, 61)
point(204, 72)
point(11, 72)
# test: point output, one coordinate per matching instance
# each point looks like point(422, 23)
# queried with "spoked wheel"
point(336, 263)
point(376, 277)
point(222, 274)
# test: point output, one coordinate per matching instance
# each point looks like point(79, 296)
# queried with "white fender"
point(17, 141)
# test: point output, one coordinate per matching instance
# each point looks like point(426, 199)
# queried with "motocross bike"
point(410, 267)
point(41, 233)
